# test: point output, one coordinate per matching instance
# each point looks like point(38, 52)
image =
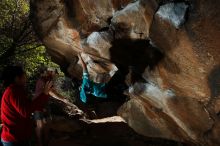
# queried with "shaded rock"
point(214, 82)
point(65, 108)
point(63, 125)
point(107, 131)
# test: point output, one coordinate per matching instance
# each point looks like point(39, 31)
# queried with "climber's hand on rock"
point(82, 63)
point(80, 58)
point(53, 93)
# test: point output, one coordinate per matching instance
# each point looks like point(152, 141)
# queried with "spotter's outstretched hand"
point(48, 86)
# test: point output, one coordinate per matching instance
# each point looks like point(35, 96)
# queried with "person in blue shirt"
point(91, 90)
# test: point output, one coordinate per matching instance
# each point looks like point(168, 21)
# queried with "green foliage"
point(12, 9)
point(18, 43)
point(13, 15)
point(66, 88)
point(34, 59)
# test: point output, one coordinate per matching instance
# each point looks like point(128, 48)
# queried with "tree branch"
point(13, 17)
point(27, 50)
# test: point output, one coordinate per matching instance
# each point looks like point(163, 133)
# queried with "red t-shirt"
point(16, 109)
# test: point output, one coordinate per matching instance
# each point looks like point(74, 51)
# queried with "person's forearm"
point(55, 94)
point(84, 67)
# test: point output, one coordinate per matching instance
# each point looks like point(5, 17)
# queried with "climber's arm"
point(84, 66)
point(85, 76)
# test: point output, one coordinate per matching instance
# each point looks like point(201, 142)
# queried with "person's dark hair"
point(10, 73)
point(42, 69)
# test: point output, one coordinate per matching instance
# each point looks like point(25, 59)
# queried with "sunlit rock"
point(169, 49)
point(101, 42)
point(134, 20)
point(173, 12)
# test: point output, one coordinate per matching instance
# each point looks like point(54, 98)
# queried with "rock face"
point(170, 49)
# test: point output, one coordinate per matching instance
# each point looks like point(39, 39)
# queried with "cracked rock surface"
point(170, 48)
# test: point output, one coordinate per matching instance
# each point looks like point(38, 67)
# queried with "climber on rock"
point(90, 91)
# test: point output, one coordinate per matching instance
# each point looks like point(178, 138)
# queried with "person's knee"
point(40, 124)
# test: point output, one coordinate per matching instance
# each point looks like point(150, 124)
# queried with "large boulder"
point(168, 49)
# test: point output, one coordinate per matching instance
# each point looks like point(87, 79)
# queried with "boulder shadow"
point(127, 54)
point(214, 82)
point(135, 54)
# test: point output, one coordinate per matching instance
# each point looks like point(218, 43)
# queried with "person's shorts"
point(38, 115)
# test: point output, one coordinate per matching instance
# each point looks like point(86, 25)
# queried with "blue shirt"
point(92, 88)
